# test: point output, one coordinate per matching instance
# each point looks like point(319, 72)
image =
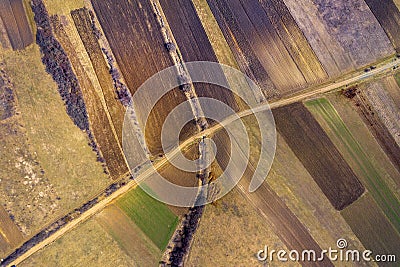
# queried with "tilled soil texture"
point(85, 29)
point(194, 45)
point(128, 236)
point(13, 15)
point(275, 212)
point(388, 16)
point(344, 34)
point(268, 45)
point(318, 154)
point(99, 122)
point(385, 107)
point(285, 224)
point(136, 41)
point(371, 177)
point(377, 126)
point(371, 226)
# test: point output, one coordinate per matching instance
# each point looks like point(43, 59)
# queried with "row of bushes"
point(59, 67)
point(185, 236)
point(189, 226)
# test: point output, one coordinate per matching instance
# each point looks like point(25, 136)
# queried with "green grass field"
point(153, 217)
point(370, 176)
point(397, 77)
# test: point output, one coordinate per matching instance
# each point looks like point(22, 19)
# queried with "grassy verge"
point(369, 174)
point(151, 216)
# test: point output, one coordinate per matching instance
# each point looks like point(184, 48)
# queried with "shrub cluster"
point(59, 67)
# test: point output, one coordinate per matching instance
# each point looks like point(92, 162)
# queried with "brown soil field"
point(385, 107)
point(136, 41)
point(99, 121)
point(10, 236)
point(4, 40)
point(232, 230)
point(351, 117)
point(87, 245)
point(372, 227)
point(194, 45)
point(115, 108)
point(224, 53)
point(344, 34)
point(181, 177)
point(393, 88)
point(214, 34)
point(295, 41)
point(14, 18)
point(129, 237)
point(318, 154)
point(296, 187)
point(361, 164)
point(285, 224)
point(388, 16)
point(300, 193)
point(274, 52)
point(377, 127)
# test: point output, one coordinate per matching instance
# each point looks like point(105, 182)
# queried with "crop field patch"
point(229, 229)
point(369, 174)
point(136, 41)
point(281, 61)
point(378, 127)
point(99, 122)
point(362, 133)
point(194, 45)
point(392, 86)
point(14, 18)
point(372, 227)
point(276, 213)
point(388, 16)
point(318, 154)
point(384, 106)
point(344, 34)
point(129, 237)
point(284, 223)
point(298, 190)
point(153, 217)
point(83, 25)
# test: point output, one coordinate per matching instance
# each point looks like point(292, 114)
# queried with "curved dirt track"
point(358, 77)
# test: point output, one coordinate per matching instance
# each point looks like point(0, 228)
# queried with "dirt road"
point(356, 77)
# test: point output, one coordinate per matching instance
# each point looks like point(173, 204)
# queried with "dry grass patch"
point(87, 245)
point(60, 149)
